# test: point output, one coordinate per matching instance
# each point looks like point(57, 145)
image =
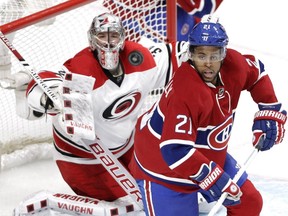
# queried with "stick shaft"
point(41, 15)
point(220, 201)
point(117, 171)
point(31, 71)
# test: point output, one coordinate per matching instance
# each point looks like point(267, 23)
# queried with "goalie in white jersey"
point(125, 72)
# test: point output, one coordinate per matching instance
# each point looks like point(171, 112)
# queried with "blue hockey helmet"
point(208, 32)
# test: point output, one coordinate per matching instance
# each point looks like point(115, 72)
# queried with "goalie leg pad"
point(45, 201)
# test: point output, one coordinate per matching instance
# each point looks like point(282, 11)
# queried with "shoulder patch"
point(135, 58)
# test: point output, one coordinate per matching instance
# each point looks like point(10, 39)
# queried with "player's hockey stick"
point(248, 161)
point(31, 71)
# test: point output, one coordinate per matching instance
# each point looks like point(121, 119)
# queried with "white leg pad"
point(47, 203)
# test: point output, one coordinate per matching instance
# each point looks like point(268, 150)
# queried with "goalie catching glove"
point(47, 103)
point(269, 123)
point(213, 179)
point(37, 98)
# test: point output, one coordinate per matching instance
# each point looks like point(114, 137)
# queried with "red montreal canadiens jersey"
point(199, 7)
point(192, 123)
point(115, 106)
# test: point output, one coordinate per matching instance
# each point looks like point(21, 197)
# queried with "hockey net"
point(48, 32)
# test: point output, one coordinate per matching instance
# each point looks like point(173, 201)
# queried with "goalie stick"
point(248, 161)
point(117, 171)
point(31, 71)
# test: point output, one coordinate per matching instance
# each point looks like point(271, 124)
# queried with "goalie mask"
point(106, 36)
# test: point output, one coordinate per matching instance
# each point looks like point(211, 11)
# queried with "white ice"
point(257, 27)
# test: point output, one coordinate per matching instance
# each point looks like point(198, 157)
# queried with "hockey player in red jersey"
point(125, 72)
point(181, 143)
point(190, 12)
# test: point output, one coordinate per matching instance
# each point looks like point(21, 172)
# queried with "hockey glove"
point(47, 103)
point(215, 180)
point(269, 123)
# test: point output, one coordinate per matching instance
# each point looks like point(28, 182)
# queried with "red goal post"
point(122, 8)
point(48, 32)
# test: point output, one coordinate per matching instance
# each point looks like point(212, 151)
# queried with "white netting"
point(141, 17)
point(47, 44)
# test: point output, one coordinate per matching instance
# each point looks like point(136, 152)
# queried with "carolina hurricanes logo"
point(122, 106)
point(219, 136)
point(103, 21)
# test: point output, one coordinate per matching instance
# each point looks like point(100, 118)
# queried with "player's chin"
point(208, 78)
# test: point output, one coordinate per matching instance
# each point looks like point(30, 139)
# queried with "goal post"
point(171, 20)
point(47, 45)
point(168, 21)
point(42, 15)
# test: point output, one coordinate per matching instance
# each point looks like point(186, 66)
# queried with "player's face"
point(108, 40)
point(207, 60)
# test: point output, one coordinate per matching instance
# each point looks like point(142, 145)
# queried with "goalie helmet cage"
point(48, 32)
